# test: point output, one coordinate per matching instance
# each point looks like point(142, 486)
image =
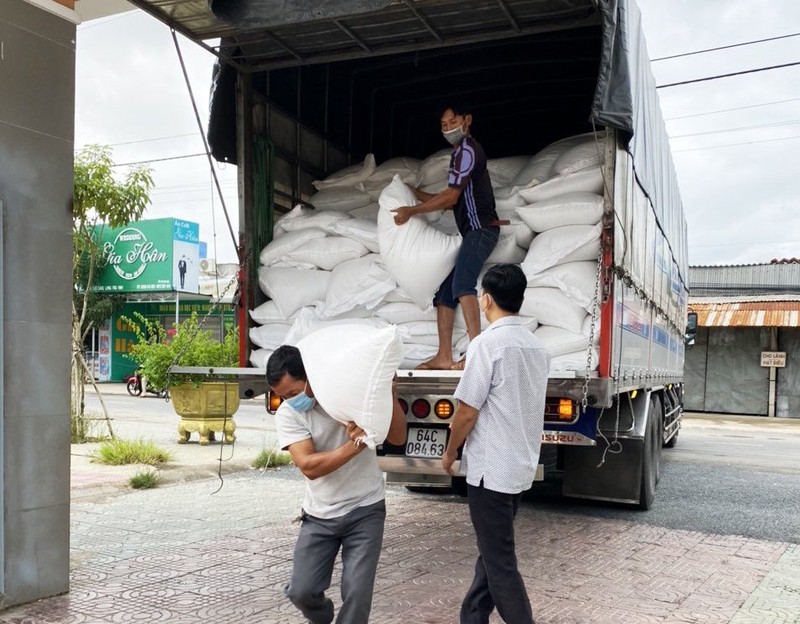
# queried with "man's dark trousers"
point(497, 581)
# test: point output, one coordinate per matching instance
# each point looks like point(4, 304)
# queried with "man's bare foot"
point(459, 365)
point(435, 364)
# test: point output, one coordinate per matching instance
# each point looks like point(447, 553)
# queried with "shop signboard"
point(156, 255)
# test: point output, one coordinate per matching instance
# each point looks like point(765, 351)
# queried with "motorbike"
point(134, 387)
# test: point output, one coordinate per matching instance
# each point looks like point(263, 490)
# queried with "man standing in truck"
point(344, 503)
point(468, 193)
point(499, 419)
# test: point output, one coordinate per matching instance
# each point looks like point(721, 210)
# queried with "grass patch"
point(271, 458)
point(145, 480)
point(120, 452)
point(91, 427)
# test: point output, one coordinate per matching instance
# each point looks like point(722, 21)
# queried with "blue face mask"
point(301, 402)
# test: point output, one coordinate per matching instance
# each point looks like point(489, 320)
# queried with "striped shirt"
point(506, 379)
point(475, 208)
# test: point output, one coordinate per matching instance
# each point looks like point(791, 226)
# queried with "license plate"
point(426, 442)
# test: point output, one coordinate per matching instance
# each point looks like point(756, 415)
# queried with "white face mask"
point(454, 136)
point(486, 309)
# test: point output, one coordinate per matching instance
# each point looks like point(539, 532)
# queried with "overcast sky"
point(739, 184)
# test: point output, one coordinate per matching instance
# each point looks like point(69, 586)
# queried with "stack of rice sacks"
point(324, 265)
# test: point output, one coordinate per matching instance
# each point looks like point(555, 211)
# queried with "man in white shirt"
point(344, 503)
point(499, 420)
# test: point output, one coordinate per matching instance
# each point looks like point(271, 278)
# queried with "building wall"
point(37, 74)
point(724, 374)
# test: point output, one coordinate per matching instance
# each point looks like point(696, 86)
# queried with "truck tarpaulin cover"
point(251, 14)
point(626, 99)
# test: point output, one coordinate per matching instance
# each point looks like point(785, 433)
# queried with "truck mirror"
point(691, 329)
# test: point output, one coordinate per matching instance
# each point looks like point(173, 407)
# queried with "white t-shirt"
point(357, 483)
point(506, 379)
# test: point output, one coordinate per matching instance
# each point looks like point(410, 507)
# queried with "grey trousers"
point(360, 535)
point(497, 581)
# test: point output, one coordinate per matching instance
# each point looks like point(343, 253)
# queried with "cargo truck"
point(304, 89)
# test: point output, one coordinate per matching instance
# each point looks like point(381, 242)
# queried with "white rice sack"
point(285, 262)
point(365, 231)
point(328, 253)
point(577, 280)
point(268, 312)
point(404, 312)
point(291, 289)
point(507, 198)
point(540, 166)
point(420, 328)
point(582, 156)
point(374, 188)
point(269, 336)
point(360, 283)
point(342, 198)
point(259, 357)
point(559, 341)
point(435, 188)
point(322, 219)
point(574, 361)
point(503, 170)
point(349, 176)
point(460, 325)
point(370, 211)
point(307, 321)
point(402, 165)
point(585, 181)
point(417, 256)
point(549, 306)
point(295, 213)
point(447, 224)
point(350, 368)
point(507, 251)
point(517, 227)
point(567, 209)
point(398, 295)
point(570, 243)
point(434, 168)
point(287, 243)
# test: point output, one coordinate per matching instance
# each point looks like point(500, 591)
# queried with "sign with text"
point(773, 358)
point(149, 256)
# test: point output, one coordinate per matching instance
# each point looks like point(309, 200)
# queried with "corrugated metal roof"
point(744, 279)
point(746, 313)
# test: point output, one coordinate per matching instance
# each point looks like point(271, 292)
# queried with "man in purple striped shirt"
point(469, 194)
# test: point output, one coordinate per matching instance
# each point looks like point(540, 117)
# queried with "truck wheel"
point(651, 460)
point(673, 440)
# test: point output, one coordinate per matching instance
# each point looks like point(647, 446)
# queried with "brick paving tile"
point(191, 557)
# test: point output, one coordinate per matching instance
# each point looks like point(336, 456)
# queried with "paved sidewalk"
point(194, 552)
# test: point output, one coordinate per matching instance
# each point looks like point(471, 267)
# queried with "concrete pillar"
point(37, 78)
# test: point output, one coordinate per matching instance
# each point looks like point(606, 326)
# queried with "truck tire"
point(651, 455)
point(673, 440)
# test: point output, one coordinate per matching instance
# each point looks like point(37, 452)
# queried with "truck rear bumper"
point(422, 472)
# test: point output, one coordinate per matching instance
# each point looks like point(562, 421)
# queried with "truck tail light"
point(560, 410)
point(443, 409)
point(421, 408)
point(273, 402)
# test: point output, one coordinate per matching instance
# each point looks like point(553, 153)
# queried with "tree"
point(101, 198)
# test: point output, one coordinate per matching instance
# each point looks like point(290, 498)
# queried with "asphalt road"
point(731, 476)
point(727, 476)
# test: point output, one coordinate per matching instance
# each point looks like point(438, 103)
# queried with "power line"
point(161, 138)
point(83, 27)
point(710, 147)
point(718, 76)
point(728, 110)
point(726, 47)
point(739, 129)
point(153, 160)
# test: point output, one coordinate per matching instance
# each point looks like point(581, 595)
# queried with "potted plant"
point(205, 405)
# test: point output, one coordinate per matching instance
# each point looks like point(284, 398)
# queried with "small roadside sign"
point(773, 358)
